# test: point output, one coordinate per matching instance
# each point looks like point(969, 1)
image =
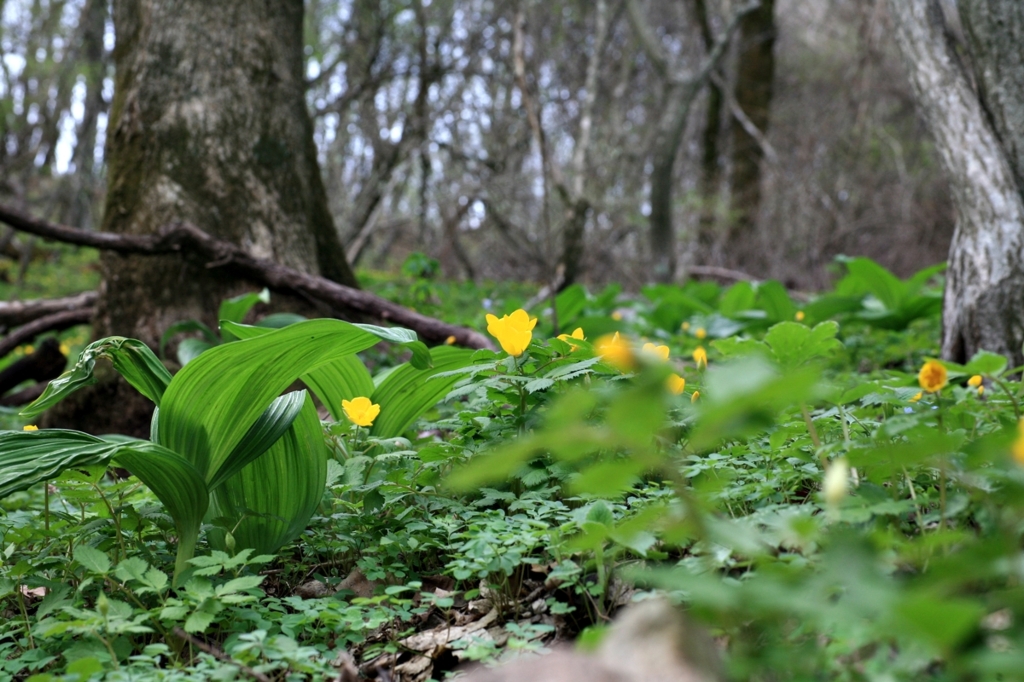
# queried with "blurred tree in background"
point(518, 139)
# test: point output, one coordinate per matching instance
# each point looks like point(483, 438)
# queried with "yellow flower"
point(700, 356)
point(360, 411)
point(799, 316)
point(837, 482)
point(676, 384)
point(693, 398)
point(576, 334)
point(917, 396)
point(615, 350)
point(65, 349)
point(1018, 445)
point(513, 331)
point(974, 381)
point(657, 351)
point(932, 376)
point(981, 390)
point(617, 316)
point(29, 350)
point(450, 340)
point(700, 333)
point(29, 427)
point(685, 326)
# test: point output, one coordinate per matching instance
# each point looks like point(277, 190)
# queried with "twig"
point(54, 322)
point(15, 313)
point(219, 655)
point(184, 237)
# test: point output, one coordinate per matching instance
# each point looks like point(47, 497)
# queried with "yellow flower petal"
point(616, 351)
point(933, 376)
point(657, 351)
point(799, 316)
point(685, 326)
point(974, 381)
point(701, 333)
point(676, 384)
point(30, 427)
point(616, 316)
point(695, 396)
point(450, 340)
point(700, 356)
point(917, 396)
point(360, 411)
point(513, 331)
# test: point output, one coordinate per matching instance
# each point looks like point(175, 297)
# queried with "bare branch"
point(648, 41)
point(179, 237)
point(51, 323)
point(15, 313)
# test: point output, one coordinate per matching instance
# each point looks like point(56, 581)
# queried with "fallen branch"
point(720, 273)
point(46, 363)
point(16, 313)
point(51, 323)
point(179, 237)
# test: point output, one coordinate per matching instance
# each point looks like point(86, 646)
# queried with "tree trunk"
point(209, 125)
point(755, 71)
point(980, 142)
point(710, 173)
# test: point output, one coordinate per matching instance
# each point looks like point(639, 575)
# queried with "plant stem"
point(814, 435)
point(1010, 395)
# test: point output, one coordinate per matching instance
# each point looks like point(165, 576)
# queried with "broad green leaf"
point(737, 298)
point(270, 426)
point(92, 559)
point(342, 379)
point(408, 392)
point(214, 400)
point(190, 349)
point(794, 344)
point(270, 501)
point(420, 354)
point(131, 358)
point(885, 286)
point(569, 303)
point(184, 328)
point(987, 363)
point(235, 309)
point(176, 483)
point(30, 457)
point(775, 301)
point(278, 320)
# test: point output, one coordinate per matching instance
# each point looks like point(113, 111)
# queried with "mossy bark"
point(208, 126)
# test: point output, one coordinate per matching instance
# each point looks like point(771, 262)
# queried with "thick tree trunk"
point(755, 71)
point(980, 150)
point(710, 173)
point(209, 126)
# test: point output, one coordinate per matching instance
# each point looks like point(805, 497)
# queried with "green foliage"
point(797, 496)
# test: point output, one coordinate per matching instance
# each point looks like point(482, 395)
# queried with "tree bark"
point(209, 126)
point(979, 141)
point(755, 71)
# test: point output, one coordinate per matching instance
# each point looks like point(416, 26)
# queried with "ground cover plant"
point(799, 473)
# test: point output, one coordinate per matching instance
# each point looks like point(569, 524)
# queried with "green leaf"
point(176, 483)
point(270, 426)
point(278, 320)
point(794, 344)
point(420, 354)
point(408, 392)
point(235, 309)
point(214, 400)
point(737, 298)
point(30, 457)
point(184, 328)
point(341, 379)
point(190, 349)
point(132, 568)
point(775, 301)
point(986, 363)
point(270, 501)
point(130, 357)
point(884, 285)
point(92, 559)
